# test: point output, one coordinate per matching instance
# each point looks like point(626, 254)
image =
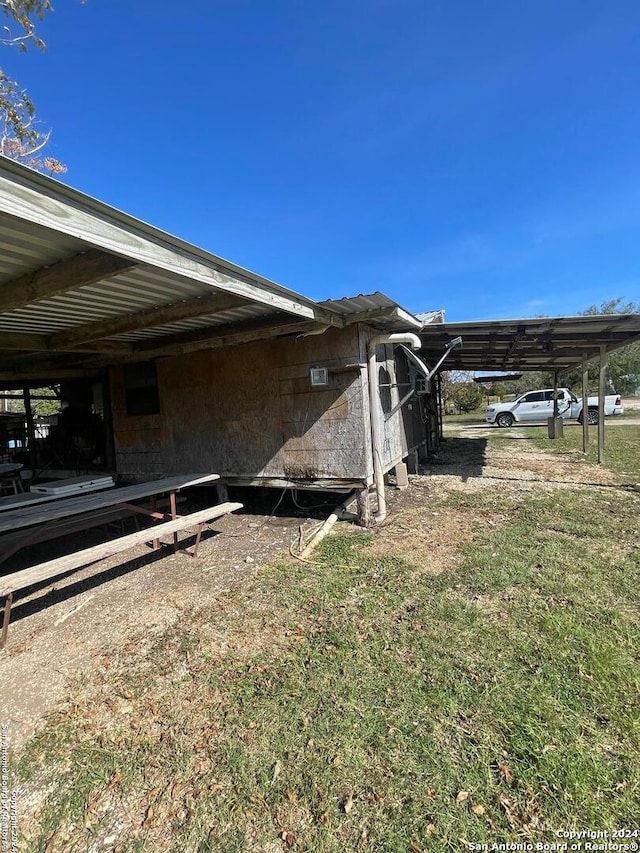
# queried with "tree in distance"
point(21, 138)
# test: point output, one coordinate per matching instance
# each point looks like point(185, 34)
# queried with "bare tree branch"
point(20, 137)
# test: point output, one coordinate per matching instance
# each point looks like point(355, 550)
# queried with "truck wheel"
point(504, 419)
point(593, 417)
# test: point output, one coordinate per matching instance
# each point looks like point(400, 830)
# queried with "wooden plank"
point(25, 500)
point(144, 319)
point(227, 335)
point(43, 374)
point(19, 341)
point(76, 524)
point(78, 271)
point(62, 507)
point(61, 565)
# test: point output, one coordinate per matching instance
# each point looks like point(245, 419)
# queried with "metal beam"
point(585, 406)
point(601, 390)
point(80, 270)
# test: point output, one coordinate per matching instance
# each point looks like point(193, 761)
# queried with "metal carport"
point(539, 343)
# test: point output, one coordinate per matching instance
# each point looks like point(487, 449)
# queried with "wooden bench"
point(9, 584)
point(76, 524)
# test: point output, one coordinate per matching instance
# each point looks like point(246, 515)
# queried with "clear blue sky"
point(478, 157)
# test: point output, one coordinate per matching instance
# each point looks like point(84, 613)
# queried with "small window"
point(548, 395)
point(534, 397)
point(141, 388)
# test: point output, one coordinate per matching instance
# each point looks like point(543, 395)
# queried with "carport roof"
point(539, 343)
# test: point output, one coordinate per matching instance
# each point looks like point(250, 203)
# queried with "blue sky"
point(478, 157)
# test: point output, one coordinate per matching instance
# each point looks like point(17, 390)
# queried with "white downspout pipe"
point(374, 410)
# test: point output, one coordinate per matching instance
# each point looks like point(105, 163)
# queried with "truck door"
point(530, 407)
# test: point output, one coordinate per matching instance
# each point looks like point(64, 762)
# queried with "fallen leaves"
point(148, 817)
point(462, 797)
point(509, 809)
point(347, 803)
point(506, 774)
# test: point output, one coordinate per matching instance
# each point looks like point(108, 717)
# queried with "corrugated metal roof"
point(69, 263)
point(539, 343)
point(136, 290)
point(427, 317)
point(375, 308)
point(44, 224)
point(25, 247)
point(28, 186)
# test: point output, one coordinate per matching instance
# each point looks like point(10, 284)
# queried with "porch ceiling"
point(83, 285)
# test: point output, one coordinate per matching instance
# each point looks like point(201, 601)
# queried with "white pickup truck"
point(538, 406)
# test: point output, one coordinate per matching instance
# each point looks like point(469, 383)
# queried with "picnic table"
point(10, 478)
point(35, 520)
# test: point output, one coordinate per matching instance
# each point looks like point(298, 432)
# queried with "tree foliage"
point(466, 396)
point(20, 135)
point(40, 407)
point(623, 365)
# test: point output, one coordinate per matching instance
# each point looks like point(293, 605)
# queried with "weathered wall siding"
point(138, 440)
point(250, 411)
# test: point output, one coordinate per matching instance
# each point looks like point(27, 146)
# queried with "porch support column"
point(601, 390)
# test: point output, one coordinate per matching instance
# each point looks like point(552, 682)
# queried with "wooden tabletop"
point(10, 467)
point(24, 516)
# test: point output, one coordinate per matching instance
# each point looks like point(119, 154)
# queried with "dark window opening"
point(141, 388)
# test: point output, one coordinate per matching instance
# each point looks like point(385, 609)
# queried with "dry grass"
point(465, 675)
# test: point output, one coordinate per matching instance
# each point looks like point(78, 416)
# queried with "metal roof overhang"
point(540, 343)
point(83, 285)
point(375, 309)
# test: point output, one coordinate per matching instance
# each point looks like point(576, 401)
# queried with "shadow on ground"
point(459, 456)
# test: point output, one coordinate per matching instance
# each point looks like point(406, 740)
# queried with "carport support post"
point(585, 405)
point(601, 389)
point(555, 396)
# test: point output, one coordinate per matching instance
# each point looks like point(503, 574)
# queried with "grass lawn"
point(467, 418)
point(622, 446)
point(364, 703)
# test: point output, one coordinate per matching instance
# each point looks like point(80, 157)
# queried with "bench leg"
point(174, 515)
point(5, 620)
point(197, 542)
point(154, 507)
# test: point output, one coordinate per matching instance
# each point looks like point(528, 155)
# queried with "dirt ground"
point(472, 465)
point(64, 632)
